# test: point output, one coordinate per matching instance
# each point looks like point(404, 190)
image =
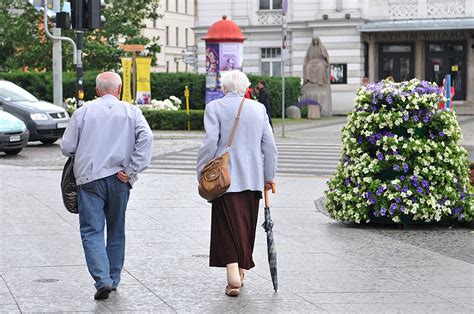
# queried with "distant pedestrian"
point(111, 143)
point(234, 215)
point(264, 98)
point(442, 105)
point(365, 81)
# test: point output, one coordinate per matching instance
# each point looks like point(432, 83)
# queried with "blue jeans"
point(101, 202)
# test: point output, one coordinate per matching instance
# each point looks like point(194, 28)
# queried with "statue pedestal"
point(319, 93)
point(314, 112)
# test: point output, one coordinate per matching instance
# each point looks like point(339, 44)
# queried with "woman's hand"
point(269, 185)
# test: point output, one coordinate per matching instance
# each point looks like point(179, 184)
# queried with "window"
point(167, 36)
point(177, 36)
point(270, 4)
point(167, 66)
point(271, 61)
point(186, 37)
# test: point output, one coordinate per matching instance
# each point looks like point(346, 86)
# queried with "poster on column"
point(230, 56)
point(126, 79)
point(143, 80)
point(213, 86)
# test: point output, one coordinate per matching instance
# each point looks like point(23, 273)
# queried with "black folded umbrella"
point(272, 256)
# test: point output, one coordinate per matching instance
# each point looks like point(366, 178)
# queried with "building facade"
point(405, 39)
point(174, 28)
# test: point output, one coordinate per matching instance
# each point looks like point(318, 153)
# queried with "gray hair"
point(108, 82)
point(235, 82)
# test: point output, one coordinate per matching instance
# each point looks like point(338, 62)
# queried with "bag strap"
point(236, 123)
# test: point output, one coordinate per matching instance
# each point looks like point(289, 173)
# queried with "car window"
point(13, 92)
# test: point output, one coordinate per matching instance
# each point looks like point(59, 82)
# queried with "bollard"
point(186, 95)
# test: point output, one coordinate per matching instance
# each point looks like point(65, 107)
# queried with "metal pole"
point(57, 62)
point(50, 36)
point(79, 70)
point(134, 76)
point(282, 96)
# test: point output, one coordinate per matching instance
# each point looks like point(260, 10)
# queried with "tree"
point(24, 44)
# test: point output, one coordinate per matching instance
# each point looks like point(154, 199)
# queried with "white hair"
point(235, 82)
point(108, 82)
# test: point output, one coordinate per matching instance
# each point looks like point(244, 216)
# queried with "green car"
point(13, 134)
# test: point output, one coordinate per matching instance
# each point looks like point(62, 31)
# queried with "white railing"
point(417, 9)
point(269, 17)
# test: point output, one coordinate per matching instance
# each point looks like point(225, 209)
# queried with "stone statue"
point(316, 73)
point(316, 64)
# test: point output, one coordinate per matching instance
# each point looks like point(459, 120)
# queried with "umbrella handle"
point(266, 195)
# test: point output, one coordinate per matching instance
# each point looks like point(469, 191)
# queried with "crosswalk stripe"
point(293, 158)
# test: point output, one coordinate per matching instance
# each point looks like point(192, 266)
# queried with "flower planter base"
point(314, 112)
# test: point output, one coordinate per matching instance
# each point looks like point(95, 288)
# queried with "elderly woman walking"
point(252, 167)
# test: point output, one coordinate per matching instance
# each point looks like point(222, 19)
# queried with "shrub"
point(174, 120)
point(401, 158)
point(162, 86)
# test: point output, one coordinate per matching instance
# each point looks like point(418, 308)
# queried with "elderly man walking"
point(111, 143)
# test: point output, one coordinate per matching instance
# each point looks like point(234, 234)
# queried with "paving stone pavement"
point(324, 266)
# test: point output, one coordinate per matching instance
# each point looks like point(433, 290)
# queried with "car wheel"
point(49, 141)
point(13, 151)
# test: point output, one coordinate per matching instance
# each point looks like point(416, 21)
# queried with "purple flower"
point(359, 140)
point(426, 119)
point(432, 136)
point(380, 156)
point(403, 209)
point(372, 140)
point(402, 178)
point(459, 217)
point(415, 118)
point(405, 189)
point(443, 200)
point(348, 181)
point(395, 152)
point(367, 194)
point(379, 191)
point(398, 200)
point(396, 187)
point(396, 168)
point(419, 190)
point(406, 118)
point(376, 214)
point(425, 184)
point(389, 100)
point(383, 211)
point(378, 135)
point(441, 134)
point(393, 207)
point(405, 167)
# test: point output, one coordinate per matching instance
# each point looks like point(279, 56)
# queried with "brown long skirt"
point(233, 226)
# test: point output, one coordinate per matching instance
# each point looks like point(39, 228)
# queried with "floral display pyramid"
point(401, 158)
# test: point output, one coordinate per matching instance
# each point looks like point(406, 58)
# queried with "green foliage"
point(174, 120)
point(19, 29)
point(23, 44)
point(163, 85)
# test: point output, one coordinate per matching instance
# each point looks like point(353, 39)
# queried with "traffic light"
point(86, 14)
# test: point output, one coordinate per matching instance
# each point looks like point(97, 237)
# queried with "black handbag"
point(69, 187)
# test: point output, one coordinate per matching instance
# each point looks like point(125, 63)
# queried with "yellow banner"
point(143, 80)
point(126, 79)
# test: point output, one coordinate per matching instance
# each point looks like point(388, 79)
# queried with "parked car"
point(45, 121)
point(13, 133)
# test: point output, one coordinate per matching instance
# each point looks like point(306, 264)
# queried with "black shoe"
point(114, 289)
point(102, 293)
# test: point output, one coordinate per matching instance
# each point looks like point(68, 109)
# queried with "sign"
point(143, 80)
point(230, 56)
point(190, 60)
point(132, 48)
point(454, 68)
point(436, 68)
point(192, 48)
point(126, 79)
point(338, 73)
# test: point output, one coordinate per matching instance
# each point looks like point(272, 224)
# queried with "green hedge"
point(174, 120)
point(163, 85)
